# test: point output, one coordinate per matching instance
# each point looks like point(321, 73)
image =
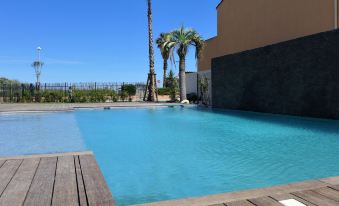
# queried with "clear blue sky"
point(102, 40)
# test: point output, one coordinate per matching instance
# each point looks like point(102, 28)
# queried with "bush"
point(164, 91)
point(52, 96)
point(130, 89)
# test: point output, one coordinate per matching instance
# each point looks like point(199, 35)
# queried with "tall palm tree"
point(165, 47)
point(37, 65)
point(151, 76)
point(182, 39)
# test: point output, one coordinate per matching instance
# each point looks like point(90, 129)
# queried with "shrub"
point(172, 84)
point(130, 89)
point(164, 91)
point(52, 96)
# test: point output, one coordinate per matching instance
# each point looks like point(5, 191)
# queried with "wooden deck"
point(64, 179)
point(323, 192)
point(75, 179)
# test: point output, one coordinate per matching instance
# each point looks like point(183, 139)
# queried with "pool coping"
point(70, 107)
point(243, 195)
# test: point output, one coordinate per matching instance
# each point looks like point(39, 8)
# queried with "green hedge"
point(164, 91)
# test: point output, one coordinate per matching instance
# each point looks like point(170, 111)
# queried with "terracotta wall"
point(249, 24)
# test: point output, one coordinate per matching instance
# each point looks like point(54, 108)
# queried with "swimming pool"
point(153, 154)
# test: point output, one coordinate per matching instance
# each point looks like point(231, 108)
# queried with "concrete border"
point(248, 194)
point(70, 107)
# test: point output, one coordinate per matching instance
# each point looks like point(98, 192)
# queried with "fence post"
point(11, 93)
point(65, 90)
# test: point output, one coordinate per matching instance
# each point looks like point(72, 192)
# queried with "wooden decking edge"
point(47, 155)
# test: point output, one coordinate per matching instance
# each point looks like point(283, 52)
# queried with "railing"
point(71, 92)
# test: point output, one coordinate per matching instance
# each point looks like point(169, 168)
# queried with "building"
point(248, 24)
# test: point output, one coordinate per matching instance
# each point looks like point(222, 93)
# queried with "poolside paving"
point(59, 107)
point(61, 179)
point(323, 192)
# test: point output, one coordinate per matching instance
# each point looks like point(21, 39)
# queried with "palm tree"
point(151, 81)
point(182, 39)
point(37, 65)
point(165, 47)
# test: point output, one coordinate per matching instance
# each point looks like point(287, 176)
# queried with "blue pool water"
point(154, 154)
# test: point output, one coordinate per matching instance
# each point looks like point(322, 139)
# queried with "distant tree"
point(172, 85)
point(183, 39)
point(37, 65)
point(165, 47)
point(4, 80)
point(129, 89)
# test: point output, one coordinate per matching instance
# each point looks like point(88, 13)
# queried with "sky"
point(88, 41)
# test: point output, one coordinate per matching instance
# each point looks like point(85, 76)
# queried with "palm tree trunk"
point(182, 78)
point(152, 79)
point(165, 72)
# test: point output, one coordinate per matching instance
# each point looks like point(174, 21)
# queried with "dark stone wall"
point(297, 77)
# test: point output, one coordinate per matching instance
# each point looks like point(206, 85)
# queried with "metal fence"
point(71, 92)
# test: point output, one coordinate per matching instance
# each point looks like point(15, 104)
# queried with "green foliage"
point(130, 89)
point(164, 46)
point(99, 95)
point(8, 81)
point(37, 64)
point(17, 92)
point(172, 85)
point(164, 91)
point(52, 96)
point(123, 95)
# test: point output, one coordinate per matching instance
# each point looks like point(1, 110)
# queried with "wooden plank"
point(45, 155)
point(95, 185)
point(40, 192)
point(7, 171)
point(240, 203)
point(241, 195)
point(331, 180)
point(328, 192)
point(2, 162)
point(264, 201)
point(65, 187)
point(335, 187)
point(315, 198)
point(80, 182)
point(280, 197)
point(17, 189)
